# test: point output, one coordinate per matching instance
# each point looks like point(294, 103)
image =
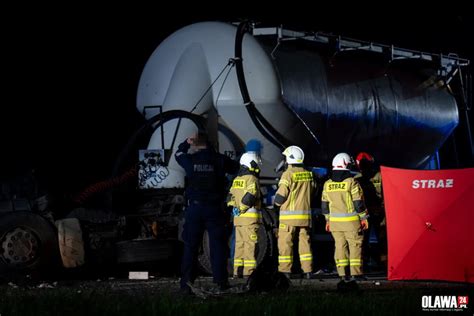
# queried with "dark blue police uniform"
point(205, 190)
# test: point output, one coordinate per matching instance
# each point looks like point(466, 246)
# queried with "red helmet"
point(363, 155)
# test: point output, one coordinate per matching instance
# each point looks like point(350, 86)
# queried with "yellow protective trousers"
point(348, 252)
point(245, 243)
point(286, 235)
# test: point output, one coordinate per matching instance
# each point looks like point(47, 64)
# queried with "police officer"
point(346, 216)
point(245, 198)
point(293, 199)
point(205, 191)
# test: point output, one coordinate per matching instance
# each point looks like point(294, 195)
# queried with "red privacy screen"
point(430, 224)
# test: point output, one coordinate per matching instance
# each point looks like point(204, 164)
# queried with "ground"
point(160, 296)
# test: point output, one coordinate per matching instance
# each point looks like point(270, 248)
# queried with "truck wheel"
point(71, 243)
point(28, 246)
point(263, 244)
point(270, 220)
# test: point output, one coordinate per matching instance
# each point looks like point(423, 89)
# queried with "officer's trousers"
point(246, 239)
point(348, 251)
point(198, 218)
point(286, 235)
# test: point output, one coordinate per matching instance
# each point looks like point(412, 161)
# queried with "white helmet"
point(294, 155)
point(341, 161)
point(251, 160)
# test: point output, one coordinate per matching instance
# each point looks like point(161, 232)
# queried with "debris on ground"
point(138, 275)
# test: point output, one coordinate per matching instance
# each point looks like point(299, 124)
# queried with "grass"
point(297, 302)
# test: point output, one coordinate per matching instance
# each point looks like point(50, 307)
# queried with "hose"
point(104, 186)
point(264, 127)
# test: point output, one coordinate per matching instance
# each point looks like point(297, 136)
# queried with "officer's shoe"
point(185, 291)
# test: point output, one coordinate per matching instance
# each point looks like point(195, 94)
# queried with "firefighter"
point(205, 192)
point(293, 200)
point(245, 198)
point(370, 180)
point(368, 169)
point(346, 216)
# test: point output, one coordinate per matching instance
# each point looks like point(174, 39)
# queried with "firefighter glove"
point(235, 211)
point(364, 224)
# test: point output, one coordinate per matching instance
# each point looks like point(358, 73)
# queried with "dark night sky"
point(71, 79)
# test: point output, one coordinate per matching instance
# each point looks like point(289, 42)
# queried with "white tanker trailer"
point(286, 88)
point(324, 93)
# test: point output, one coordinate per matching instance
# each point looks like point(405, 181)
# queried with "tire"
point(145, 250)
point(270, 221)
point(263, 245)
point(71, 243)
point(28, 246)
point(270, 218)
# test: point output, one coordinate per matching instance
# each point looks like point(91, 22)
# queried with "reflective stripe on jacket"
point(377, 181)
point(294, 193)
point(346, 207)
point(245, 195)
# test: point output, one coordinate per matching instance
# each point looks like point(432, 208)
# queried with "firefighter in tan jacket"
point(346, 216)
point(370, 180)
point(245, 198)
point(293, 198)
